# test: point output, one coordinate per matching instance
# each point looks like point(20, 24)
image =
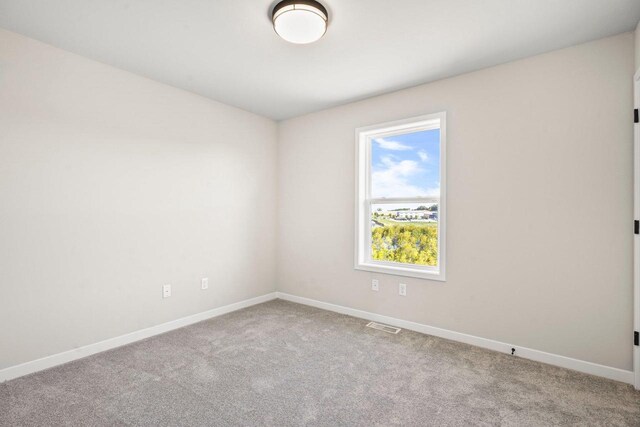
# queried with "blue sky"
point(406, 165)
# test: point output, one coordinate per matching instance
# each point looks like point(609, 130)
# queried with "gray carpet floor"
point(284, 364)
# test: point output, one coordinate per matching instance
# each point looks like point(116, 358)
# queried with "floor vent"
point(385, 328)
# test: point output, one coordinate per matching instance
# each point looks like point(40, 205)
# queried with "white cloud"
point(393, 180)
point(423, 155)
point(392, 145)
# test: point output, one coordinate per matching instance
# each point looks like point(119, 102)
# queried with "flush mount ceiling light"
point(300, 21)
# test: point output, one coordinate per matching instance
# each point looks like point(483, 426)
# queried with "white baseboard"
point(540, 356)
point(527, 353)
point(80, 352)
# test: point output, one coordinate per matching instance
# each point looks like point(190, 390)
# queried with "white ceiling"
point(227, 50)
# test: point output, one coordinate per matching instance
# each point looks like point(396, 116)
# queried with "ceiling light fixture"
point(300, 21)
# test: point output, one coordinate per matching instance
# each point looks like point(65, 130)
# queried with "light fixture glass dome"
point(300, 21)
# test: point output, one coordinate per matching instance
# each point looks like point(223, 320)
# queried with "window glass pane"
point(405, 233)
point(406, 165)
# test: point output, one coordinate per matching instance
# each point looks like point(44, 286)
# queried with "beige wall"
point(112, 185)
point(542, 147)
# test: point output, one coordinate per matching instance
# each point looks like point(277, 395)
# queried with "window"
point(400, 212)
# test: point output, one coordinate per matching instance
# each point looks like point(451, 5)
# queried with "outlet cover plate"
point(402, 289)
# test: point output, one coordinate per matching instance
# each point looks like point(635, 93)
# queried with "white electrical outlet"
point(166, 291)
point(402, 289)
point(375, 286)
point(204, 283)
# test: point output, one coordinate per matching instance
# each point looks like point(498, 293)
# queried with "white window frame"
point(364, 201)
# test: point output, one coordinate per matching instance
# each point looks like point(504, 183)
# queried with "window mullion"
point(386, 201)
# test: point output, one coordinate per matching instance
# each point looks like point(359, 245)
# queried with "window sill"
point(437, 275)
